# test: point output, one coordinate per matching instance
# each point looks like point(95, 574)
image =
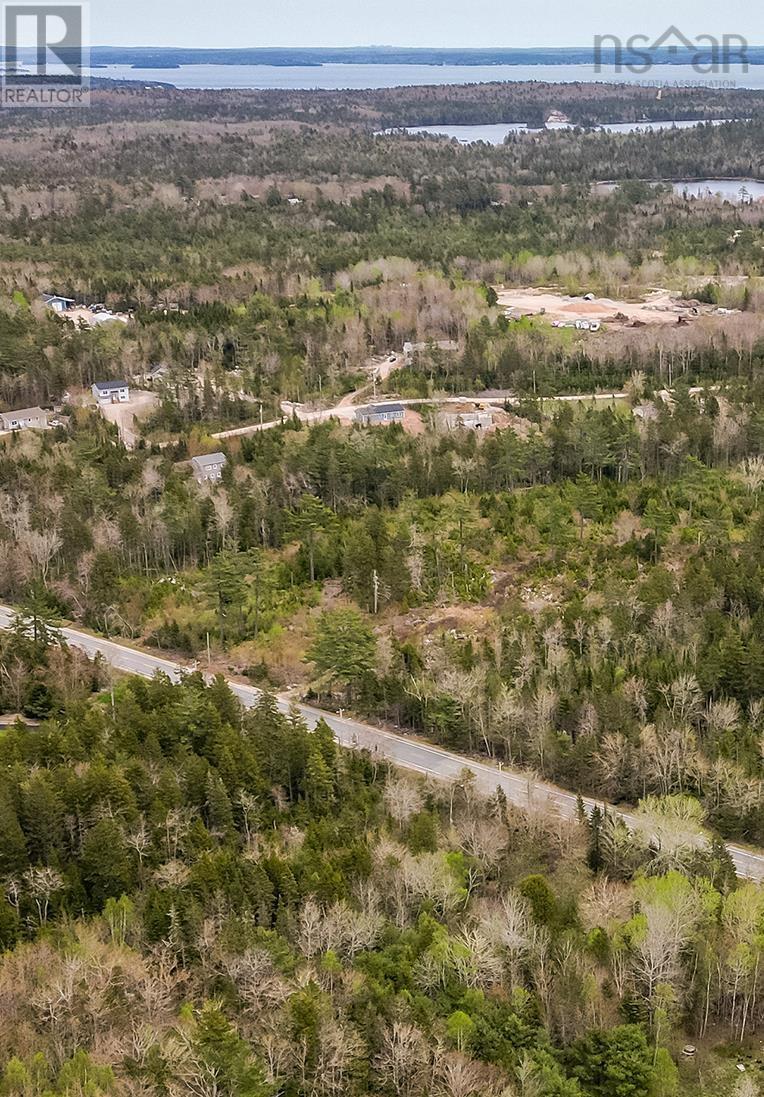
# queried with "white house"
point(209, 467)
point(25, 419)
point(111, 392)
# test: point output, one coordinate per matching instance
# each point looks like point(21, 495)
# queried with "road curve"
point(524, 790)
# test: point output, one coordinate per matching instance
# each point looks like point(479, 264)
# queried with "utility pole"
point(209, 652)
point(376, 591)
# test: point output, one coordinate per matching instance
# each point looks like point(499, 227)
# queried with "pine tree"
point(344, 649)
point(106, 865)
point(308, 524)
point(218, 807)
point(223, 698)
point(594, 856)
point(41, 818)
point(13, 852)
point(226, 1064)
point(319, 785)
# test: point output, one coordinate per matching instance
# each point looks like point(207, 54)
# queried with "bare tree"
point(403, 799)
point(42, 884)
point(404, 1061)
point(40, 547)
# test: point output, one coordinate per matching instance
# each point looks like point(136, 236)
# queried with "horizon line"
point(430, 49)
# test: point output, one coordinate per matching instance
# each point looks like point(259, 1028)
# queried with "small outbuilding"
point(56, 303)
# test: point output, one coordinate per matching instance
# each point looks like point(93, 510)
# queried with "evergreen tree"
point(106, 866)
point(343, 650)
point(616, 1063)
point(13, 852)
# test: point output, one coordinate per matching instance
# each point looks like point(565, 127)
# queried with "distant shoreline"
point(307, 57)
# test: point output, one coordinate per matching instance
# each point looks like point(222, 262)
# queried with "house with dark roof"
point(380, 415)
point(111, 392)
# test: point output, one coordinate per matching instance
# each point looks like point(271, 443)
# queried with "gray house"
point(156, 372)
point(209, 468)
point(111, 392)
point(24, 420)
point(380, 415)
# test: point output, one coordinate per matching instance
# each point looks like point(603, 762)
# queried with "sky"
point(444, 23)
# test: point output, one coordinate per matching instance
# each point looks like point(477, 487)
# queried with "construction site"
point(590, 313)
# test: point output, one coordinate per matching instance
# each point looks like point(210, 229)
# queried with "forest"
point(202, 900)
point(199, 900)
point(515, 101)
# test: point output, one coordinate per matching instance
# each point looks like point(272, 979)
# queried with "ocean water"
point(338, 76)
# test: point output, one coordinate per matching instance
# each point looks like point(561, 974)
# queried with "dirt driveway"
point(125, 416)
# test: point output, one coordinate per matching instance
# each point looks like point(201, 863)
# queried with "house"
point(380, 415)
point(209, 468)
point(25, 419)
point(646, 412)
point(446, 345)
point(111, 392)
point(58, 304)
point(466, 420)
point(557, 120)
point(156, 372)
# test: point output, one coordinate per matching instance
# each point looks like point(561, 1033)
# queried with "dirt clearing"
point(657, 307)
point(140, 406)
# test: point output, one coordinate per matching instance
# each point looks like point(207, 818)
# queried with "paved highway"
point(408, 753)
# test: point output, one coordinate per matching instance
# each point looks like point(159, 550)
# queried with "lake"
point(495, 134)
point(728, 189)
point(721, 188)
point(334, 77)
